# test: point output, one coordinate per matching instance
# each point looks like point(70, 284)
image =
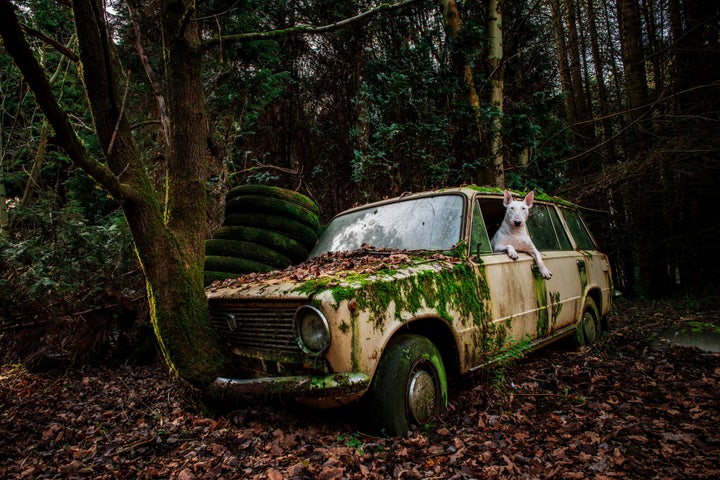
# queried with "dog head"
point(516, 212)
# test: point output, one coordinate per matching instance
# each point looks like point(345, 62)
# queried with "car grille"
point(261, 328)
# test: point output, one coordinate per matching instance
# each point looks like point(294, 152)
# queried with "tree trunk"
point(650, 218)
point(562, 57)
point(4, 230)
point(168, 238)
point(633, 55)
point(495, 58)
point(582, 111)
point(655, 49)
point(696, 63)
point(603, 104)
point(451, 16)
point(34, 174)
point(37, 166)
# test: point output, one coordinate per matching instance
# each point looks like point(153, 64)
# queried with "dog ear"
point(507, 198)
point(529, 198)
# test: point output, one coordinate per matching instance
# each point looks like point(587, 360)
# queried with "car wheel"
point(409, 386)
point(588, 330)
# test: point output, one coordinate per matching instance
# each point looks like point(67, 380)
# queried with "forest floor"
point(624, 408)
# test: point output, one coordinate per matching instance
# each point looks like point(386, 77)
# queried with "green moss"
point(542, 304)
point(447, 286)
point(341, 293)
point(701, 327)
point(459, 250)
point(181, 323)
point(315, 285)
point(556, 307)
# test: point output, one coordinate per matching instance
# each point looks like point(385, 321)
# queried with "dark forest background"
point(611, 104)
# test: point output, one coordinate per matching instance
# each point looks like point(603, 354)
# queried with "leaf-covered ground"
point(625, 408)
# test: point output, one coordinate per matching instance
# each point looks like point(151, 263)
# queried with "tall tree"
point(496, 68)
point(633, 56)
point(599, 69)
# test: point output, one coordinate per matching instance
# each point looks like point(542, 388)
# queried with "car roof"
point(468, 191)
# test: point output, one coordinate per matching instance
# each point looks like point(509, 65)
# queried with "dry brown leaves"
point(621, 409)
point(364, 261)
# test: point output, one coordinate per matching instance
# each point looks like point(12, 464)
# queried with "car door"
point(595, 272)
point(564, 290)
point(527, 305)
point(516, 299)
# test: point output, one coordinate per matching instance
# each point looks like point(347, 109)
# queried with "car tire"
point(303, 234)
point(247, 251)
point(273, 206)
point(273, 192)
point(218, 263)
point(272, 240)
point(588, 330)
point(265, 228)
point(409, 386)
point(210, 276)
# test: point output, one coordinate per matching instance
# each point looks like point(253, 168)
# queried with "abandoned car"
point(400, 295)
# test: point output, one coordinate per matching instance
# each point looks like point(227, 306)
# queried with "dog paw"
point(512, 253)
point(546, 274)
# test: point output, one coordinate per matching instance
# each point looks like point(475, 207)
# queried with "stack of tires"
point(266, 228)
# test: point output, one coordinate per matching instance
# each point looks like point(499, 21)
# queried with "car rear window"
point(579, 231)
point(546, 229)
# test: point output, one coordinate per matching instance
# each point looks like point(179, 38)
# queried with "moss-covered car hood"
point(342, 274)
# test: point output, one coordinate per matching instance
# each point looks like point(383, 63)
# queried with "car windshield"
point(428, 223)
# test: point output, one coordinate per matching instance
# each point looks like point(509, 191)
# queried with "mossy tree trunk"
point(168, 227)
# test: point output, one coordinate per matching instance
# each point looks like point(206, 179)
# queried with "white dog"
point(513, 237)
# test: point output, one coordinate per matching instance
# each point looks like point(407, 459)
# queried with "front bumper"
point(302, 386)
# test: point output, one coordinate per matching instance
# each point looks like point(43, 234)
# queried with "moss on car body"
point(450, 285)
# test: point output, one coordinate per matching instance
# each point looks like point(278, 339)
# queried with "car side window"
point(546, 230)
point(479, 241)
point(579, 231)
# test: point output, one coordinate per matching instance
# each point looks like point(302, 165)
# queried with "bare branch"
point(150, 73)
point(51, 41)
point(309, 29)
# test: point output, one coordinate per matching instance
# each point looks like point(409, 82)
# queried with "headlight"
point(312, 330)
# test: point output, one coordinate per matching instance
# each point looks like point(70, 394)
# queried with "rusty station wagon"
point(400, 295)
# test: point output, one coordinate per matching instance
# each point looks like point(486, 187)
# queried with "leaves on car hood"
point(365, 260)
